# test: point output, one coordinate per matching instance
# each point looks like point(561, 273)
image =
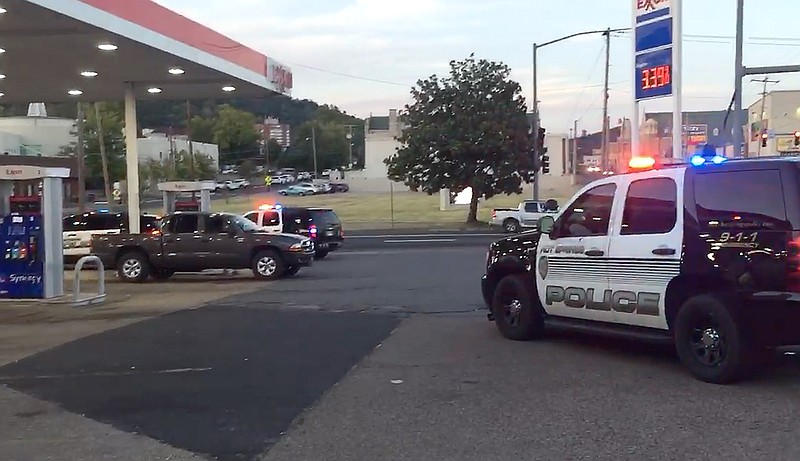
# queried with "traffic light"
point(545, 164)
point(541, 150)
point(797, 138)
point(764, 137)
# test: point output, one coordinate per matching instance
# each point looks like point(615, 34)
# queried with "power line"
point(342, 74)
point(586, 85)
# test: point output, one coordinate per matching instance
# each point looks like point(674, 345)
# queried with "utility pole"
point(81, 157)
point(765, 81)
point(103, 158)
point(314, 148)
point(265, 140)
point(189, 139)
point(604, 154)
point(575, 153)
point(350, 143)
point(536, 122)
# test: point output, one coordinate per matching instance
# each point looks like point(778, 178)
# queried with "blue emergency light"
point(707, 154)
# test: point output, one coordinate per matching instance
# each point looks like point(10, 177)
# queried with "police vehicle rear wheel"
point(291, 270)
point(709, 342)
point(511, 225)
point(133, 267)
point(516, 309)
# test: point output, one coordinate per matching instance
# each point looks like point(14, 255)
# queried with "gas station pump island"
point(171, 190)
point(31, 239)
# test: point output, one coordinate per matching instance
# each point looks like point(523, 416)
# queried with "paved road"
point(434, 380)
point(427, 239)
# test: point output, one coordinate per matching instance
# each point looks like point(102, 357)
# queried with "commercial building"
point(777, 115)
point(272, 128)
point(158, 146)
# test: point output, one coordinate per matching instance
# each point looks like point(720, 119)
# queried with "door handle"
point(594, 252)
point(663, 251)
point(197, 237)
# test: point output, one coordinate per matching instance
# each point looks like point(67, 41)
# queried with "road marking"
point(419, 241)
point(107, 373)
point(420, 236)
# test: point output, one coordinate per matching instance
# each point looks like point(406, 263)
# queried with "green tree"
point(113, 139)
point(235, 131)
point(247, 169)
point(151, 171)
point(331, 145)
point(468, 129)
point(202, 129)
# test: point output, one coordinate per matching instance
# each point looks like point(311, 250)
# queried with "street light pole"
point(738, 123)
point(535, 104)
point(314, 149)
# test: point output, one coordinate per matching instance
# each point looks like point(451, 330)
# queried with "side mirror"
point(546, 224)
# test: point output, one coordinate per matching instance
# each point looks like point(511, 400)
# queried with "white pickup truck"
point(525, 216)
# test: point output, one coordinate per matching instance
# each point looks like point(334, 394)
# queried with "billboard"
point(786, 144)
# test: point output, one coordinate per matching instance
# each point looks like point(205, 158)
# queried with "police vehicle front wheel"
point(516, 309)
point(709, 342)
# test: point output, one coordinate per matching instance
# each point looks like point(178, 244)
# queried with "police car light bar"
point(641, 163)
point(699, 160)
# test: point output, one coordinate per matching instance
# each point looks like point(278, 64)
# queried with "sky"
point(364, 56)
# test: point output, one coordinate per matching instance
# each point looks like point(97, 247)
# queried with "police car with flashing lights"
point(705, 255)
point(322, 225)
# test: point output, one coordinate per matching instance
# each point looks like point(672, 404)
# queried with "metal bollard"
point(101, 283)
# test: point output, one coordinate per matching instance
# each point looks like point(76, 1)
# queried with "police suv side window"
point(651, 207)
point(590, 214)
point(741, 199)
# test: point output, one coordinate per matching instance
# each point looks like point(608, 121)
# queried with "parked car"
point(195, 241)
point(317, 188)
point(297, 190)
point(525, 216)
point(322, 225)
point(340, 187)
point(236, 184)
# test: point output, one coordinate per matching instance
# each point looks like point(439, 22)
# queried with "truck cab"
point(705, 256)
point(525, 216)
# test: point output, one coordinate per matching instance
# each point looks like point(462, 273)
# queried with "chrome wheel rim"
point(266, 266)
point(132, 268)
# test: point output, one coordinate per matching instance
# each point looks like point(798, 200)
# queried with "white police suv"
point(706, 255)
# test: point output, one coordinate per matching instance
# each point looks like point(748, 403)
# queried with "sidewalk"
point(31, 327)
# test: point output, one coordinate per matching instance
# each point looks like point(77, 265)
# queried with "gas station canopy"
point(93, 50)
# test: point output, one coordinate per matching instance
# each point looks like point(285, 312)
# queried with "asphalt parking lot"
point(383, 351)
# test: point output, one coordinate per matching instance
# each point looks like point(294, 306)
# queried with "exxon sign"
point(644, 7)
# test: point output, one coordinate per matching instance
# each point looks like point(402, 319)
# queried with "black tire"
point(162, 274)
point(283, 192)
point(133, 267)
point(709, 341)
point(268, 265)
point(516, 309)
point(321, 254)
point(291, 270)
point(511, 225)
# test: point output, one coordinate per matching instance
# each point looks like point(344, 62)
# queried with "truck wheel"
point(709, 342)
point(291, 270)
point(162, 274)
point(133, 267)
point(511, 225)
point(268, 265)
point(516, 309)
point(321, 254)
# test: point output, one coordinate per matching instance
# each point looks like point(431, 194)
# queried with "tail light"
point(494, 214)
point(312, 230)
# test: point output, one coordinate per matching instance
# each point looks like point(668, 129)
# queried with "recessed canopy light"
point(154, 90)
point(3, 10)
point(177, 71)
point(2, 76)
point(75, 92)
point(89, 73)
point(2, 94)
point(107, 46)
point(2, 50)
point(228, 88)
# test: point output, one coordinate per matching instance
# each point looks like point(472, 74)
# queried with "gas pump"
point(31, 240)
point(22, 265)
point(170, 191)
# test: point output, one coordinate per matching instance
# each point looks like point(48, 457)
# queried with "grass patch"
point(377, 210)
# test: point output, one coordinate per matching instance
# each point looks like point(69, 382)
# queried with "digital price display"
point(656, 77)
point(654, 74)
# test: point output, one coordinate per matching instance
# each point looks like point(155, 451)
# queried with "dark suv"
point(321, 224)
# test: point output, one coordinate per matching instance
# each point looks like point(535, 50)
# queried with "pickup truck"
point(195, 241)
point(525, 216)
